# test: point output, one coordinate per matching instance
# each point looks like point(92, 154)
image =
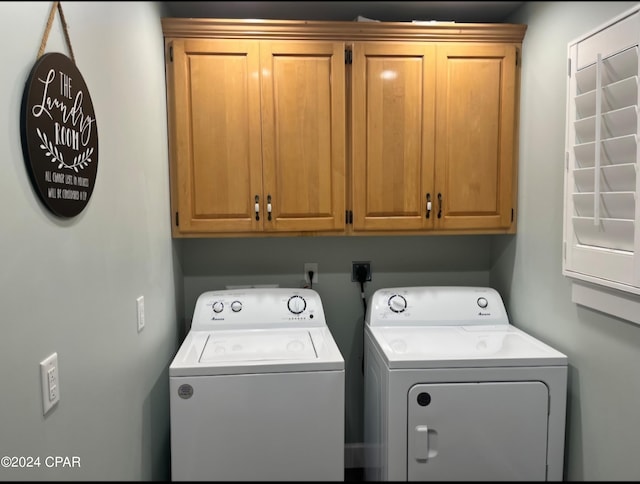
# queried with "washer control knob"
point(397, 303)
point(217, 307)
point(296, 304)
point(482, 302)
point(236, 306)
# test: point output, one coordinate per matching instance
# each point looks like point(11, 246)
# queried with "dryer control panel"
point(258, 308)
point(436, 306)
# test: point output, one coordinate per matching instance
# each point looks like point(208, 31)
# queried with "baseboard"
point(354, 455)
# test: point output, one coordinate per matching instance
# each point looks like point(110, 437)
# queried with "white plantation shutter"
point(601, 219)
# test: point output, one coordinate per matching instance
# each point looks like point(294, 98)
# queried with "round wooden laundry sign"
point(59, 135)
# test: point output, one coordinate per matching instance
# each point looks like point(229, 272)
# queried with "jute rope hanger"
point(45, 37)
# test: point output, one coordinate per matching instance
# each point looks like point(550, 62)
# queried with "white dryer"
point(453, 391)
point(257, 390)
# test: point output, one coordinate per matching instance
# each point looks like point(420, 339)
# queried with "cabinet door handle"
point(269, 207)
point(428, 205)
point(439, 205)
point(256, 207)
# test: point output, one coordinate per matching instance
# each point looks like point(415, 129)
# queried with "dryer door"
point(477, 431)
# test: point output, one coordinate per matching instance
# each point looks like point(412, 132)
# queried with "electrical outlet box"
point(357, 266)
point(311, 266)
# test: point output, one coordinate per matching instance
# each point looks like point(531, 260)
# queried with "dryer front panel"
point(477, 431)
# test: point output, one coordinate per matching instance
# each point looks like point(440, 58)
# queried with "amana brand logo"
point(484, 314)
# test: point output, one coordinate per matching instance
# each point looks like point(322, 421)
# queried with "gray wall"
point(70, 286)
point(603, 427)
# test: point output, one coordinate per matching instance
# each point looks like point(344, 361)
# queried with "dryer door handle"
point(421, 443)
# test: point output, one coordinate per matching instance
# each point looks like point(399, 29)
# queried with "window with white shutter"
point(601, 217)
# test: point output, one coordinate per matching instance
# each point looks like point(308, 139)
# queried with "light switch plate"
point(50, 382)
point(140, 303)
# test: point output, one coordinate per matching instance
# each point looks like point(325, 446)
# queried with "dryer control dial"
point(296, 304)
point(236, 306)
point(482, 302)
point(397, 303)
point(217, 307)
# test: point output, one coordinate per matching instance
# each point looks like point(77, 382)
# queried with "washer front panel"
point(266, 427)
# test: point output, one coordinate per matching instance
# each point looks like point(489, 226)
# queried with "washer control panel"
point(436, 305)
point(258, 307)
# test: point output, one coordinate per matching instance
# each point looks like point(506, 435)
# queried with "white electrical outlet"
point(140, 303)
point(50, 382)
point(311, 266)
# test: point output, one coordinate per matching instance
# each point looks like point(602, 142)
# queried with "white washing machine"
point(257, 390)
point(453, 391)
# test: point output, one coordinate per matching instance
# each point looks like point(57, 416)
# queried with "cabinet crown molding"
point(341, 30)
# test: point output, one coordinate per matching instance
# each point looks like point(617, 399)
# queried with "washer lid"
point(258, 345)
point(275, 350)
point(462, 346)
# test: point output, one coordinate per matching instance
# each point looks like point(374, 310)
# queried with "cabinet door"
point(393, 91)
point(215, 135)
point(303, 134)
point(475, 136)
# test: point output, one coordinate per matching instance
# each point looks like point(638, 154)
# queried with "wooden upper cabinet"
point(433, 126)
point(303, 135)
point(475, 136)
point(392, 135)
point(215, 135)
point(258, 135)
point(317, 127)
